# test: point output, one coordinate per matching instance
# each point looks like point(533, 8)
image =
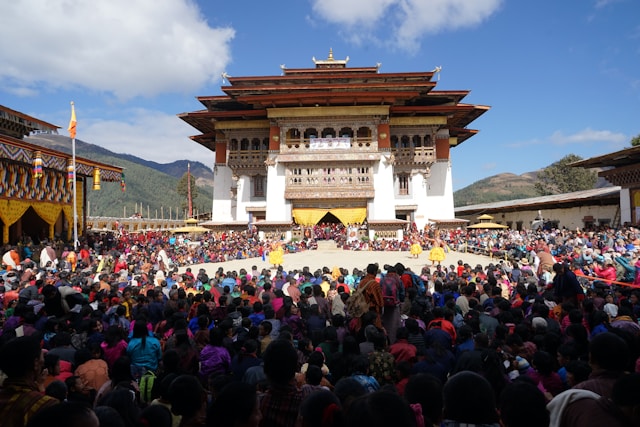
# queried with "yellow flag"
point(72, 123)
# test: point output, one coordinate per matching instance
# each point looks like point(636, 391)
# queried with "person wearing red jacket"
point(607, 271)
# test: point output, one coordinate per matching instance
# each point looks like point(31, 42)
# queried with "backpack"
point(147, 383)
point(357, 304)
point(417, 283)
point(389, 291)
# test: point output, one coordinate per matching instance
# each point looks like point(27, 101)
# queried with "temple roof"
point(18, 125)
point(332, 83)
point(626, 157)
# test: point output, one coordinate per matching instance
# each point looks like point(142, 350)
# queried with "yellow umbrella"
point(485, 217)
point(483, 225)
point(190, 229)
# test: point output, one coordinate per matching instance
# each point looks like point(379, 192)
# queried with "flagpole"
point(73, 155)
point(190, 213)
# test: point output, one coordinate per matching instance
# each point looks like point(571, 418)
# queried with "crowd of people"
point(124, 333)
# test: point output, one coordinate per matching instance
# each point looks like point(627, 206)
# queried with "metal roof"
point(533, 202)
point(626, 157)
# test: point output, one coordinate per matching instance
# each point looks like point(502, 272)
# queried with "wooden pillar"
point(384, 136)
point(221, 153)
point(274, 138)
point(442, 147)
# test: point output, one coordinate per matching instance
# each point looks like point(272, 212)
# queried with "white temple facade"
point(333, 143)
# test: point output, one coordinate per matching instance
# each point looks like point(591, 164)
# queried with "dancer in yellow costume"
point(416, 248)
point(436, 254)
point(276, 254)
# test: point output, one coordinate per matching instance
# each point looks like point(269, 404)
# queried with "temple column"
point(243, 196)
point(278, 208)
point(221, 207)
point(382, 207)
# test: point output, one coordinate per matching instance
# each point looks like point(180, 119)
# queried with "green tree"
point(183, 191)
point(635, 141)
point(559, 177)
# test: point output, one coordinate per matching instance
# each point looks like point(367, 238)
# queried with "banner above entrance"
point(330, 143)
point(311, 216)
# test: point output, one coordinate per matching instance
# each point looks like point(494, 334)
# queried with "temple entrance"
point(33, 226)
point(329, 218)
point(312, 215)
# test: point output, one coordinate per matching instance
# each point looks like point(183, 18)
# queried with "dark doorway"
point(329, 218)
point(33, 226)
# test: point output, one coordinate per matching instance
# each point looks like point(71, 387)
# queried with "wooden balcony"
point(303, 146)
point(409, 155)
point(329, 186)
point(247, 159)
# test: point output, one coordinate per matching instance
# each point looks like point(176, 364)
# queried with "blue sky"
point(561, 77)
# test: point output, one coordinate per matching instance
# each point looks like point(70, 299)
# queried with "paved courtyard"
point(328, 255)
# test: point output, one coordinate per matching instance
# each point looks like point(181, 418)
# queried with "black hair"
point(321, 409)
point(234, 405)
point(18, 356)
point(280, 362)
point(380, 408)
point(426, 390)
point(478, 408)
point(185, 395)
point(511, 400)
point(65, 414)
point(609, 351)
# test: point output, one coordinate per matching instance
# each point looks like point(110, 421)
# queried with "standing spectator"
point(21, 360)
point(280, 404)
point(144, 350)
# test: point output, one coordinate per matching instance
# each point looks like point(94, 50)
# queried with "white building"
point(333, 143)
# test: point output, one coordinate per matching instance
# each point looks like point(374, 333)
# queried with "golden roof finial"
point(330, 58)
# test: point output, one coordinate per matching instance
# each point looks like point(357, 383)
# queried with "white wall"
point(625, 206)
point(568, 217)
point(221, 209)
point(278, 209)
point(382, 206)
point(439, 203)
point(243, 198)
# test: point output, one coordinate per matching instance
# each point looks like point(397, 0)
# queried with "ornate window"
point(403, 185)
point(258, 186)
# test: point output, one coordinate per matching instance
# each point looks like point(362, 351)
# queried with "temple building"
point(333, 143)
point(36, 191)
point(620, 168)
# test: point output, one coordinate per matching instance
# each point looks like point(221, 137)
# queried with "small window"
point(258, 186)
point(403, 185)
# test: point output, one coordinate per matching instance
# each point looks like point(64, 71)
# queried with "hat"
point(524, 261)
point(538, 322)
point(115, 300)
point(611, 310)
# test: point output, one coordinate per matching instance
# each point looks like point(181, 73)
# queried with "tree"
point(635, 141)
point(559, 177)
point(183, 190)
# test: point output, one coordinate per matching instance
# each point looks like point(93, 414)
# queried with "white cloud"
point(489, 166)
point(589, 136)
point(603, 3)
point(408, 21)
point(585, 137)
point(150, 135)
point(119, 47)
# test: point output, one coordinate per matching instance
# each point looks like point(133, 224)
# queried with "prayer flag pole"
point(190, 213)
point(72, 134)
